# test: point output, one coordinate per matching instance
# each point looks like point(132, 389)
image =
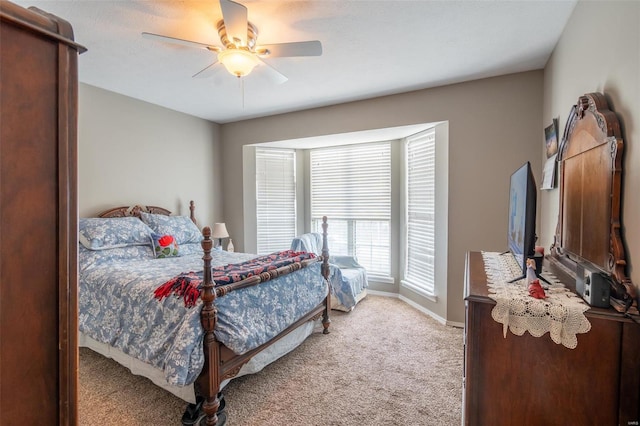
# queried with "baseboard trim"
point(418, 307)
point(382, 293)
point(423, 309)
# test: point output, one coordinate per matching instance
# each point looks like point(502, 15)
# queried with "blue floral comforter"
point(117, 307)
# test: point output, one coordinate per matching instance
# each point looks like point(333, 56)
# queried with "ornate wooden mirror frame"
point(589, 224)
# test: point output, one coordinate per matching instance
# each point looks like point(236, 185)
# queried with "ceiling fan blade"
point(207, 71)
point(271, 73)
point(181, 41)
point(235, 21)
point(296, 48)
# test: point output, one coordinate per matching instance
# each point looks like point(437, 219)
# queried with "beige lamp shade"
point(219, 232)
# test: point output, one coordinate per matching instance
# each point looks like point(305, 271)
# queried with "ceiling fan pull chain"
point(242, 90)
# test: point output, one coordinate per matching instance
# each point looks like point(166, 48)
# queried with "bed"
point(137, 303)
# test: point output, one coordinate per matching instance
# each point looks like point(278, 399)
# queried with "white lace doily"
point(561, 313)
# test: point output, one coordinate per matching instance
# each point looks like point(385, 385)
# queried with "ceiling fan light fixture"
point(240, 53)
point(238, 62)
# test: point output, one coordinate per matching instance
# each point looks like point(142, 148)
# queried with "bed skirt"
point(186, 393)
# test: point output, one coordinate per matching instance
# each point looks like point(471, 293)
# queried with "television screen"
point(522, 215)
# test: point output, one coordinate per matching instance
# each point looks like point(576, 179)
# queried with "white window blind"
point(351, 182)
point(275, 199)
point(351, 185)
point(420, 212)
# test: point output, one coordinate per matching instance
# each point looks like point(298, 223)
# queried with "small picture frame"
point(551, 138)
point(551, 145)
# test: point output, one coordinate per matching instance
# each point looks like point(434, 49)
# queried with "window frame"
point(409, 277)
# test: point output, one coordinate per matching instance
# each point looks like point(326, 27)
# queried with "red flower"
point(165, 240)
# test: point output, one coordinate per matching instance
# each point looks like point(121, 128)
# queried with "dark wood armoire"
point(38, 214)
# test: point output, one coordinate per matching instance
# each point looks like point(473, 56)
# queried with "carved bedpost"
point(326, 321)
point(208, 318)
point(192, 214)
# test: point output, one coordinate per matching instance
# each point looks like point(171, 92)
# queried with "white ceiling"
point(370, 48)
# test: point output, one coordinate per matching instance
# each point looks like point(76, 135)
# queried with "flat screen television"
point(521, 236)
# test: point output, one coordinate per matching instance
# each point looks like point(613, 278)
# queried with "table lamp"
point(219, 232)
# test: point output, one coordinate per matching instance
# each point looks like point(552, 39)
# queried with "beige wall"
point(133, 152)
point(599, 51)
point(494, 127)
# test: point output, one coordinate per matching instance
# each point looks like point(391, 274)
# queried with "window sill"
point(422, 292)
point(381, 279)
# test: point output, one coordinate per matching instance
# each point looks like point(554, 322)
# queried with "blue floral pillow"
point(98, 233)
point(164, 246)
point(89, 258)
point(180, 227)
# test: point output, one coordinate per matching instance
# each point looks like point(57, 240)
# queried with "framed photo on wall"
point(551, 147)
point(551, 138)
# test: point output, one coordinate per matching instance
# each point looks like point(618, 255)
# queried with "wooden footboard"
point(220, 363)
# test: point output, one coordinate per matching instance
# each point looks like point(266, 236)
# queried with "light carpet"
point(383, 363)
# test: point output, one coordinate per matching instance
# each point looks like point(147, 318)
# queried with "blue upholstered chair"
point(347, 277)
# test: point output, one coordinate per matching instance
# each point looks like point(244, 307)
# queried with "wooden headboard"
point(128, 211)
point(589, 223)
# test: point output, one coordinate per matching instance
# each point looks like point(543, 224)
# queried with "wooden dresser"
point(524, 380)
point(38, 212)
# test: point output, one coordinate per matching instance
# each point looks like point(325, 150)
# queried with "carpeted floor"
point(384, 363)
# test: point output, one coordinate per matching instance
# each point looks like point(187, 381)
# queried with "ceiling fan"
point(240, 53)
